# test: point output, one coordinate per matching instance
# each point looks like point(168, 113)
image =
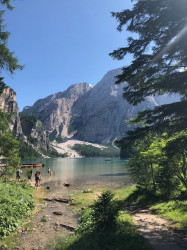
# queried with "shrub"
point(16, 203)
point(105, 211)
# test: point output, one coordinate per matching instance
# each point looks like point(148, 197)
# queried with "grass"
point(174, 210)
point(83, 200)
point(87, 236)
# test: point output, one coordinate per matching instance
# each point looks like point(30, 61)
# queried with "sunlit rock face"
point(97, 114)
point(101, 114)
point(8, 104)
point(55, 111)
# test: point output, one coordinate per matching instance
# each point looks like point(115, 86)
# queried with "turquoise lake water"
point(84, 170)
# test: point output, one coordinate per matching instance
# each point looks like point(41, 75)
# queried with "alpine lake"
point(82, 171)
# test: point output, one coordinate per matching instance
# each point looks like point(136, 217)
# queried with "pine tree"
point(159, 49)
point(9, 147)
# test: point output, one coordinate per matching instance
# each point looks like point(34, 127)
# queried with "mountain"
point(102, 112)
point(29, 132)
point(95, 114)
point(55, 111)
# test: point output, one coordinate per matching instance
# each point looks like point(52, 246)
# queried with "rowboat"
point(32, 165)
point(25, 165)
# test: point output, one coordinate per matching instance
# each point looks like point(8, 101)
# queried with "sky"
point(60, 43)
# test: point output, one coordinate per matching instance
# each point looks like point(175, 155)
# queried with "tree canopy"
point(9, 147)
point(8, 62)
point(159, 66)
point(7, 3)
point(159, 63)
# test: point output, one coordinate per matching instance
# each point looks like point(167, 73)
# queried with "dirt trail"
point(156, 230)
point(43, 233)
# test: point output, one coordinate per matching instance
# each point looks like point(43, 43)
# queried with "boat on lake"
point(107, 159)
point(32, 165)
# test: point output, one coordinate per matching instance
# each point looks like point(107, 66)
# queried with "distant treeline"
point(91, 151)
point(26, 151)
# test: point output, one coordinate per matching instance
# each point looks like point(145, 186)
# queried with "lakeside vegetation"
point(103, 225)
point(16, 204)
point(105, 222)
point(91, 151)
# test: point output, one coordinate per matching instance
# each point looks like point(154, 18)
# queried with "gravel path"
point(155, 230)
point(43, 233)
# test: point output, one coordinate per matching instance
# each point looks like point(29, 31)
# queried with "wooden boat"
point(32, 165)
point(38, 165)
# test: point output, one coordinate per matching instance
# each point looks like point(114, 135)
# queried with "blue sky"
point(62, 42)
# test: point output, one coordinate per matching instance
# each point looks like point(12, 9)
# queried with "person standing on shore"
point(30, 175)
point(49, 172)
point(36, 179)
point(18, 174)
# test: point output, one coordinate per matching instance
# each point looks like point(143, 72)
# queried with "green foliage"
point(159, 54)
point(8, 61)
point(174, 210)
point(26, 151)
point(7, 3)
point(153, 168)
point(91, 151)
point(9, 147)
point(105, 211)
point(16, 203)
point(94, 234)
point(2, 84)
point(44, 218)
point(53, 153)
point(32, 140)
point(102, 215)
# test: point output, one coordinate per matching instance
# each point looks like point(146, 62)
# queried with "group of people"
point(38, 177)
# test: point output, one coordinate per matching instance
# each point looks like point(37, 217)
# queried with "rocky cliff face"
point(30, 132)
point(95, 114)
point(8, 104)
point(34, 131)
point(100, 115)
point(55, 111)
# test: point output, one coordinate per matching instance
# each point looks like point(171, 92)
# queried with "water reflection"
point(83, 170)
